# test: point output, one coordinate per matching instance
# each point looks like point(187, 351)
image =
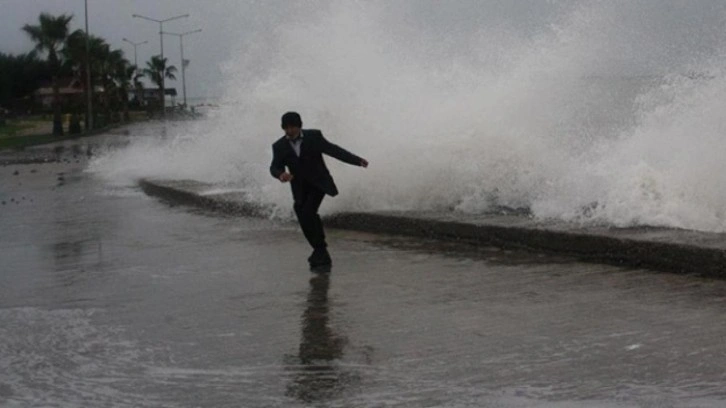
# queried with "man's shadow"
point(315, 374)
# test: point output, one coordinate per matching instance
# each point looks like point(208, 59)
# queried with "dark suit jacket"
point(310, 166)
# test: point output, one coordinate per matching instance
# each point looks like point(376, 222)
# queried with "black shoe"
point(320, 261)
point(320, 256)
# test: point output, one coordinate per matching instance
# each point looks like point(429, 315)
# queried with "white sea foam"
point(588, 118)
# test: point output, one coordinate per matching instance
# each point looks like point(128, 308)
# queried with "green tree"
point(21, 75)
point(108, 63)
point(109, 69)
point(102, 65)
point(75, 57)
point(49, 36)
point(125, 76)
point(156, 70)
point(138, 85)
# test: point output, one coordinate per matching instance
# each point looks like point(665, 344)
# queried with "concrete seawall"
point(659, 249)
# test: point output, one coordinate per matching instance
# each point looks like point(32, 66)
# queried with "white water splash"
point(587, 118)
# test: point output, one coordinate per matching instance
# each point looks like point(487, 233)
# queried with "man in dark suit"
point(301, 151)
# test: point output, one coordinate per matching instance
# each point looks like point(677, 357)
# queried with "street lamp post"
point(136, 62)
point(183, 62)
point(161, 43)
point(89, 91)
point(139, 93)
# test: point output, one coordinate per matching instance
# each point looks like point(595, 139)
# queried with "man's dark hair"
point(291, 119)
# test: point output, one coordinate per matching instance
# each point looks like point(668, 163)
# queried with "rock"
point(15, 173)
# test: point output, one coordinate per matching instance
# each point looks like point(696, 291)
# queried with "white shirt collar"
point(299, 138)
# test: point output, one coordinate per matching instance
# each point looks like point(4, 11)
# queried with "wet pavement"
point(111, 298)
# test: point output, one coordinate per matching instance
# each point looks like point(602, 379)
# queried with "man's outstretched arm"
point(341, 154)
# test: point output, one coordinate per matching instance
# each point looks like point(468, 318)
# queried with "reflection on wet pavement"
point(316, 378)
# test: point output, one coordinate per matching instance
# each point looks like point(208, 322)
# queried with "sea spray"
point(589, 118)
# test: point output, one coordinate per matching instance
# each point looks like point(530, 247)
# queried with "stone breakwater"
point(659, 249)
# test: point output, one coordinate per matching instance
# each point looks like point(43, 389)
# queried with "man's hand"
point(364, 163)
point(285, 177)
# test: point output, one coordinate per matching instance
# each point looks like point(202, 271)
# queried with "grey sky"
point(650, 32)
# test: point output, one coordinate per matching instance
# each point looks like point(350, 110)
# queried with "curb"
point(188, 192)
point(590, 247)
point(659, 249)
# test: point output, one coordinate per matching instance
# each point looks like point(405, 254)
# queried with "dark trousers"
point(307, 201)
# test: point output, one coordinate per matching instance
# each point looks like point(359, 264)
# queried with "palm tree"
point(138, 85)
point(155, 70)
point(74, 53)
point(125, 75)
point(49, 35)
point(100, 53)
point(107, 67)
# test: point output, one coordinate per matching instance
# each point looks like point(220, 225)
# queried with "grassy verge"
point(20, 142)
point(36, 130)
point(12, 129)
